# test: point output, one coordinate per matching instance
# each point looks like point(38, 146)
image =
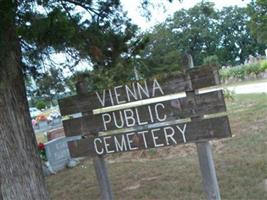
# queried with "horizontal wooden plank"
point(204, 76)
point(135, 91)
point(206, 129)
point(191, 106)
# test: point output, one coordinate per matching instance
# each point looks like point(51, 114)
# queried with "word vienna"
point(147, 114)
point(173, 110)
point(136, 92)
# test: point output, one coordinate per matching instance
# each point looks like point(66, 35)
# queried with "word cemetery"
point(147, 114)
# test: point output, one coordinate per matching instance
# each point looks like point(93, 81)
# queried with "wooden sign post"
point(206, 162)
point(98, 161)
point(175, 109)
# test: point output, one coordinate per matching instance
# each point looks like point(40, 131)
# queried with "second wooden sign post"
point(206, 162)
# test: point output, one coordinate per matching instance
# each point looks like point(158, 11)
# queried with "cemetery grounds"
point(173, 172)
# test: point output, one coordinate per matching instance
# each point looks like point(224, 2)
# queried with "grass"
point(173, 173)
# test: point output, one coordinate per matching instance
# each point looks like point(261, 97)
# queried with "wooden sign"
point(147, 114)
point(152, 138)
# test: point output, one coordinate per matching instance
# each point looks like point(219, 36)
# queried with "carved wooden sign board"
point(172, 110)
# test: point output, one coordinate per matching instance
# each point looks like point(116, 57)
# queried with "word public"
point(131, 117)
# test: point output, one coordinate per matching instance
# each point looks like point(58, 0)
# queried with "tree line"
point(223, 37)
point(99, 32)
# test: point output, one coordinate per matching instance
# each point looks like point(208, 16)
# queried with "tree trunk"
point(21, 174)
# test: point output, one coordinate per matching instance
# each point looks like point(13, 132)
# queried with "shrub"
point(211, 60)
point(263, 65)
point(242, 71)
point(252, 69)
point(228, 94)
point(40, 105)
point(225, 73)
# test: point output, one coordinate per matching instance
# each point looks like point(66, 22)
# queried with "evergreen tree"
point(30, 33)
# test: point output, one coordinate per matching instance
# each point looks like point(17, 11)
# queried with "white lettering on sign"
point(124, 93)
point(96, 148)
point(169, 135)
point(151, 138)
point(143, 90)
point(120, 145)
point(116, 121)
point(131, 92)
point(117, 94)
point(182, 132)
point(155, 138)
point(107, 144)
point(157, 112)
point(130, 141)
point(144, 138)
point(156, 86)
point(101, 100)
point(139, 122)
point(106, 118)
point(131, 117)
point(111, 98)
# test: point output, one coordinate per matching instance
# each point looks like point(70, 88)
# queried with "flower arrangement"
point(41, 149)
point(41, 117)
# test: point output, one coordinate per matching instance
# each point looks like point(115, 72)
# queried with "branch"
point(89, 9)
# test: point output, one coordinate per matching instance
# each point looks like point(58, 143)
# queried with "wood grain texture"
point(201, 130)
point(98, 161)
point(194, 79)
point(193, 105)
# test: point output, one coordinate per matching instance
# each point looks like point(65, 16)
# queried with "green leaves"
point(202, 31)
point(257, 10)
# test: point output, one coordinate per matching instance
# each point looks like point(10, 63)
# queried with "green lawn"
point(173, 173)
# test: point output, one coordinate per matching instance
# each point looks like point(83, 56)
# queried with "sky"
point(160, 14)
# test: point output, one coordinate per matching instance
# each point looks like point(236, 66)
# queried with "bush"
point(40, 105)
point(263, 65)
point(242, 71)
point(228, 94)
point(252, 69)
point(211, 60)
point(225, 73)
point(239, 72)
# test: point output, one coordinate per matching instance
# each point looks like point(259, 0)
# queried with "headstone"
point(57, 152)
point(56, 121)
point(42, 125)
point(251, 59)
point(55, 133)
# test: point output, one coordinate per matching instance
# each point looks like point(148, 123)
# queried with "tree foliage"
point(201, 31)
point(160, 54)
point(93, 30)
point(236, 40)
point(257, 10)
point(195, 30)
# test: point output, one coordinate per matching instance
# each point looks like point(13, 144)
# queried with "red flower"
point(41, 117)
point(41, 146)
